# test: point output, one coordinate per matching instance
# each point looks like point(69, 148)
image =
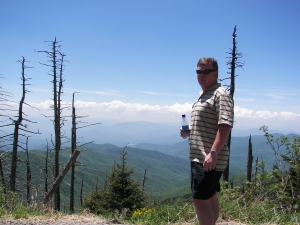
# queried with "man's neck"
point(205, 89)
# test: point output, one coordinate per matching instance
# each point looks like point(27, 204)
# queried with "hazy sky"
point(136, 60)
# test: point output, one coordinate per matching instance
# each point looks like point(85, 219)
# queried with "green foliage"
point(21, 212)
point(10, 206)
point(165, 214)
point(271, 197)
point(120, 191)
point(94, 163)
point(286, 172)
point(253, 207)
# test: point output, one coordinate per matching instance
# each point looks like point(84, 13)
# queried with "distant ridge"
point(133, 133)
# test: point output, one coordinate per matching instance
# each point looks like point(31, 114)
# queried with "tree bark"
point(28, 184)
point(73, 148)
point(233, 63)
point(13, 173)
point(61, 176)
point(250, 160)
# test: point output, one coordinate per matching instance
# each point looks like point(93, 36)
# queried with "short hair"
point(204, 61)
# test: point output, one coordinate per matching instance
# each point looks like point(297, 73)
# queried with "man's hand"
point(185, 134)
point(209, 163)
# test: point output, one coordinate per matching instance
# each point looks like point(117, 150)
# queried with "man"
point(211, 122)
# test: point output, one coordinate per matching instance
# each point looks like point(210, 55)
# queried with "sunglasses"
point(206, 71)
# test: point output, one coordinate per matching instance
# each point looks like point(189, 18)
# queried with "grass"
point(165, 214)
point(233, 207)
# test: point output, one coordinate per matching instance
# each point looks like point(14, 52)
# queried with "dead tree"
point(73, 148)
point(57, 67)
point(81, 193)
point(19, 126)
point(233, 64)
point(144, 179)
point(28, 175)
point(61, 176)
point(46, 167)
point(5, 108)
point(250, 160)
point(3, 182)
point(255, 175)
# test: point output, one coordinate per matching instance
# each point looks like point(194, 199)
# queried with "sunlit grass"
point(165, 214)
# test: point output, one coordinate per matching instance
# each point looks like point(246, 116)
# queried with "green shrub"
point(121, 192)
point(21, 212)
point(165, 214)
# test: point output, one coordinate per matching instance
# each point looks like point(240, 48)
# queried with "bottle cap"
point(183, 115)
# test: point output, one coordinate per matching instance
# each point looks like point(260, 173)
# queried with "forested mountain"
point(163, 172)
point(238, 154)
point(166, 166)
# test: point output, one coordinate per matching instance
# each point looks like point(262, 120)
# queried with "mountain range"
point(132, 133)
point(154, 149)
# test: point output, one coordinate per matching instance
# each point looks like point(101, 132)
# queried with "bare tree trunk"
point(56, 65)
point(73, 147)
point(2, 175)
point(144, 179)
point(81, 193)
point(233, 63)
point(13, 173)
point(61, 176)
point(56, 123)
point(28, 184)
point(46, 168)
point(250, 160)
point(255, 174)
point(226, 170)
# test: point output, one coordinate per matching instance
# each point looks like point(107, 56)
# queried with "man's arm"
point(221, 137)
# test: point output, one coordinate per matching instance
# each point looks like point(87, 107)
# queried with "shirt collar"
point(212, 88)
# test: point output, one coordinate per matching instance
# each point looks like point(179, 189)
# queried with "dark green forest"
point(166, 166)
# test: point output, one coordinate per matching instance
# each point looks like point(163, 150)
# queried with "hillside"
point(166, 166)
point(163, 172)
point(238, 155)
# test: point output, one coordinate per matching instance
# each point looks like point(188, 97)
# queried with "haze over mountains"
point(155, 147)
point(132, 133)
point(165, 138)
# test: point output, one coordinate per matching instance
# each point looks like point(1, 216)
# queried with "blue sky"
point(135, 60)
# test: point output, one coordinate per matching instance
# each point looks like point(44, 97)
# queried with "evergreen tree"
point(121, 192)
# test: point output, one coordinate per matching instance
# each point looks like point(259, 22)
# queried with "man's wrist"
point(213, 152)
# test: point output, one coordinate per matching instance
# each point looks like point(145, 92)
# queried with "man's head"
point(207, 72)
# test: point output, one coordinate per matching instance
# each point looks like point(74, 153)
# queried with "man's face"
point(209, 79)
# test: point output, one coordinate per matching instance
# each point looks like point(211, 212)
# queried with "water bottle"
point(184, 124)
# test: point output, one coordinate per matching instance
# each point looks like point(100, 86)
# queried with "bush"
point(121, 192)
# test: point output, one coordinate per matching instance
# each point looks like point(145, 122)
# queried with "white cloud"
point(134, 108)
point(121, 111)
point(247, 113)
point(124, 108)
point(290, 116)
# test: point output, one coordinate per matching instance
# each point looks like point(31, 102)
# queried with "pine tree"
point(121, 192)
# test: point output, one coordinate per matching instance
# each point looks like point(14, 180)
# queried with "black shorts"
point(204, 184)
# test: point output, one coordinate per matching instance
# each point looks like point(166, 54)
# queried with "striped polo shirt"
point(214, 107)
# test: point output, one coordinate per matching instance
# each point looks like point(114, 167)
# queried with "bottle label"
point(185, 127)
